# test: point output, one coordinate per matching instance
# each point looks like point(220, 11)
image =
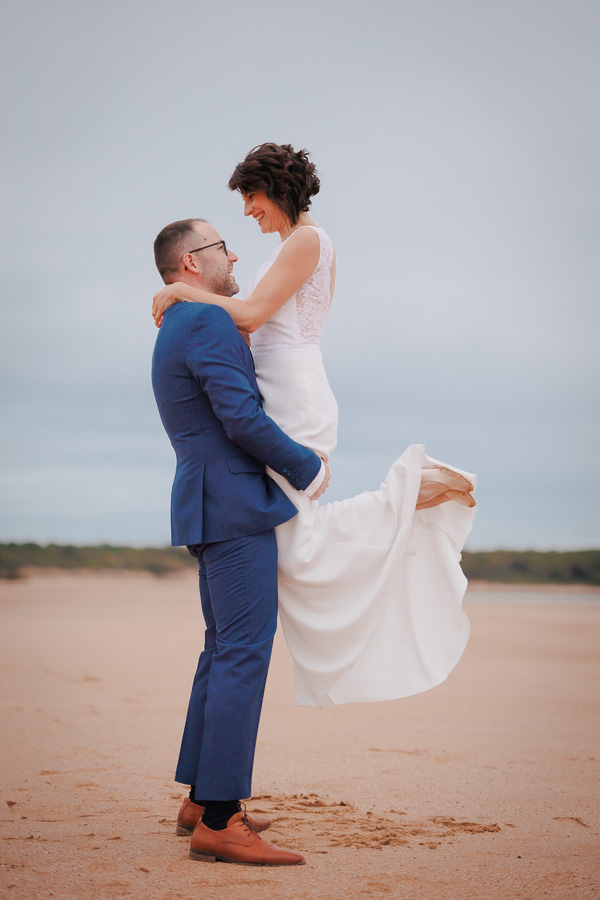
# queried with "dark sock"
point(217, 813)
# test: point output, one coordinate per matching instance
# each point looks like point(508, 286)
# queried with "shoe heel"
point(206, 857)
point(182, 831)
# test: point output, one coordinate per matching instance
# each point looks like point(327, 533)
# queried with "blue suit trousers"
point(238, 591)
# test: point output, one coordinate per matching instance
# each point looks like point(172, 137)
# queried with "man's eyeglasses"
point(206, 246)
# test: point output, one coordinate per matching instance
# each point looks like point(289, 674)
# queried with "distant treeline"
point(534, 567)
point(14, 558)
point(508, 566)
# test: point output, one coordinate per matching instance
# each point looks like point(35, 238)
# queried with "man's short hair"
point(170, 245)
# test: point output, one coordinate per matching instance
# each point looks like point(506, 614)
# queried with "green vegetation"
point(509, 566)
point(14, 558)
point(533, 567)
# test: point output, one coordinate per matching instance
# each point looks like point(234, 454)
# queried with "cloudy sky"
point(458, 146)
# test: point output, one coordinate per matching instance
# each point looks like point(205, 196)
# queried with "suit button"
point(285, 470)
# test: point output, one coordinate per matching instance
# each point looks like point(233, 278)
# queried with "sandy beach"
point(485, 787)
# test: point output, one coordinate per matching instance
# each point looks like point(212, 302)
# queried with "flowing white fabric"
point(370, 590)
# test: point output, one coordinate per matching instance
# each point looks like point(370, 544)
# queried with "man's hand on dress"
point(324, 483)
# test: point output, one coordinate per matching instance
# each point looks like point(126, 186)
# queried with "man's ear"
point(188, 261)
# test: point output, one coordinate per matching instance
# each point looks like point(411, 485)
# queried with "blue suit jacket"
point(207, 395)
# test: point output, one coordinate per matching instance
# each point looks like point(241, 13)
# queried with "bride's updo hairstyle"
point(287, 177)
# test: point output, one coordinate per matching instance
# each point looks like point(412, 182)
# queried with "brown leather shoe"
point(191, 813)
point(239, 843)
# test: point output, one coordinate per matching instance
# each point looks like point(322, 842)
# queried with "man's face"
point(215, 266)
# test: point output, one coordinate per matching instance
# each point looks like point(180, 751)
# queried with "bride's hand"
point(166, 297)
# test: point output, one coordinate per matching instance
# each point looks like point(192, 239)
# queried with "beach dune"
point(485, 787)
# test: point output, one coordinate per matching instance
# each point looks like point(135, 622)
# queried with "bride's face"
point(265, 212)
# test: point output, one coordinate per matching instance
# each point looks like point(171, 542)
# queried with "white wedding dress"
point(370, 590)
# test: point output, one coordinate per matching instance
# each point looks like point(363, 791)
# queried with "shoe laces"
point(247, 820)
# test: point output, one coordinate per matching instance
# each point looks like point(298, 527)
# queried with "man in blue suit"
point(224, 508)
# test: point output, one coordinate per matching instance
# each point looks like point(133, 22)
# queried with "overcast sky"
point(458, 147)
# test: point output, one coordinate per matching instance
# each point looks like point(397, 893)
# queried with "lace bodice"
point(301, 319)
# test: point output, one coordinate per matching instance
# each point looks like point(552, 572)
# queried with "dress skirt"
point(370, 590)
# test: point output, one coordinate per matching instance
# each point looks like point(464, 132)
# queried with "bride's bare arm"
point(295, 264)
point(176, 292)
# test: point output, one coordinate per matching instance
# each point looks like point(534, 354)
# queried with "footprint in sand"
point(571, 819)
point(342, 825)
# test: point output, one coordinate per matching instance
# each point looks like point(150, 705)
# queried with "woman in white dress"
point(370, 588)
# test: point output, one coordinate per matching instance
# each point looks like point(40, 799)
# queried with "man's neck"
point(192, 280)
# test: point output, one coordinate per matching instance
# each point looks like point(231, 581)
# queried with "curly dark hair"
point(287, 176)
